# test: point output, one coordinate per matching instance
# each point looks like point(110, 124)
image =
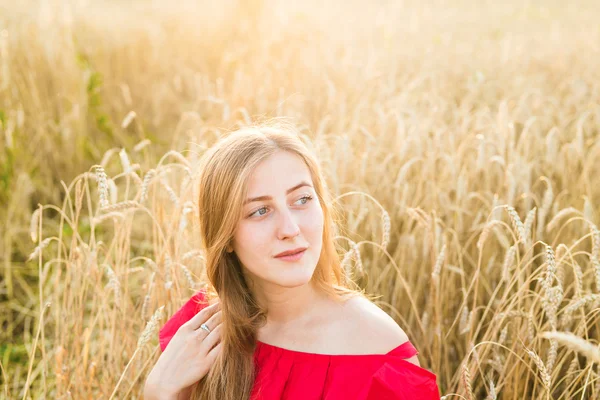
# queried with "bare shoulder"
point(375, 331)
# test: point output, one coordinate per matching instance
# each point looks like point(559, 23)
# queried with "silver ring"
point(205, 327)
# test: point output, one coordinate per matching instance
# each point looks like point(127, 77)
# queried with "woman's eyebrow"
point(261, 198)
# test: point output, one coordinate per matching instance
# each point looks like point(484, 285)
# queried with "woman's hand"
point(190, 354)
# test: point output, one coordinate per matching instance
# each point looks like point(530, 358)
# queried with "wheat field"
point(461, 140)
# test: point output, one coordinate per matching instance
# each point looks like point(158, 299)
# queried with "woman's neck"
point(289, 306)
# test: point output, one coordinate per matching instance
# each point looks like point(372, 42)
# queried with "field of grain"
point(461, 139)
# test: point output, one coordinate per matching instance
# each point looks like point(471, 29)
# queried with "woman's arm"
point(153, 392)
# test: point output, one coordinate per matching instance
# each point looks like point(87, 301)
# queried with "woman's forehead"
point(278, 172)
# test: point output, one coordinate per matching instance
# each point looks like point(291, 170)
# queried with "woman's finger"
point(212, 355)
point(202, 316)
point(213, 338)
point(214, 320)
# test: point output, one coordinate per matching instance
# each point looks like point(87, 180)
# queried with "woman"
point(286, 325)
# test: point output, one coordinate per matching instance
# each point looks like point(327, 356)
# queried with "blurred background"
point(460, 139)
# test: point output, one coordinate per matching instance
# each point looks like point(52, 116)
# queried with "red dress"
point(294, 375)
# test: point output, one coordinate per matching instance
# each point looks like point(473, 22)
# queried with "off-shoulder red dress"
point(294, 375)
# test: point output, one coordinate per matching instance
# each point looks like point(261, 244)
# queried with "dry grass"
point(462, 141)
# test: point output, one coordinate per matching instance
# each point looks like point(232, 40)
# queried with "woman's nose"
point(287, 225)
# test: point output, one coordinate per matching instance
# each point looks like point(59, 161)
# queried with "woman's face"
point(282, 213)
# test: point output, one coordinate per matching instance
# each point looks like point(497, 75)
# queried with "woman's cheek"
point(246, 237)
point(317, 220)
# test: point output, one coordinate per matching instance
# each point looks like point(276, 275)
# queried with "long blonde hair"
point(224, 172)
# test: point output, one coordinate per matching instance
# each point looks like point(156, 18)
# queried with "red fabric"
point(294, 375)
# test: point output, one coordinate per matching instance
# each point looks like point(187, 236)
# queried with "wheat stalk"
point(521, 314)
point(560, 215)
point(385, 217)
point(437, 268)
point(177, 155)
point(596, 266)
point(124, 205)
point(346, 261)
point(143, 339)
point(546, 378)
point(127, 121)
point(578, 275)
point(418, 215)
point(112, 191)
point(550, 268)
point(146, 184)
point(552, 354)
point(529, 223)
point(172, 195)
point(150, 327)
point(552, 295)
point(492, 393)
point(113, 283)
point(486, 232)
point(466, 319)
point(516, 223)
point(188, 275)
point(595, 256)
point(33, 225)
point(425, 318)
point(466, 378)
point(102, 186)
point(125, 163)
point(103, 217)
point(547, 200)
point(192, 254)
point(38, 249)
point(359, 263)
point(573, 366)
point(576, 305)
point(168, 268)
point(576, 343)
point(588, 209)
point(509, 258)
point(148, 295)
point(138, 147)
point(595, 241)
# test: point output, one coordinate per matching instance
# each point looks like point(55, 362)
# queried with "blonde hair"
point(225, 169)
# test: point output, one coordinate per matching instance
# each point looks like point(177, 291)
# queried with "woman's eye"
point(262, 208)
point(306, 199)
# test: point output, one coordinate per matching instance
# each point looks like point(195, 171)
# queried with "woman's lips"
point(292, 257)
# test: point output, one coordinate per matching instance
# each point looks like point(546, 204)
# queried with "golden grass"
point(461, 140)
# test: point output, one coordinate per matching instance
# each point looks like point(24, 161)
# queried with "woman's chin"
point(291, 278)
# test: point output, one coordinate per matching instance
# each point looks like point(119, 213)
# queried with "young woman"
point(278, 319)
